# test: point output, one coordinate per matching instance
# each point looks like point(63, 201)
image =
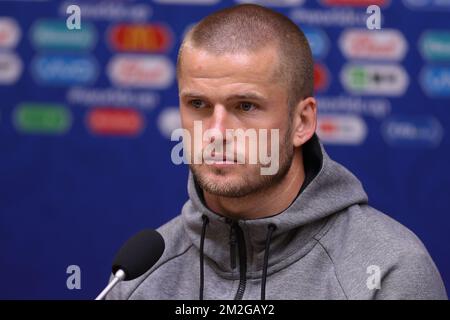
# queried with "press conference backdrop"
point(86, 117)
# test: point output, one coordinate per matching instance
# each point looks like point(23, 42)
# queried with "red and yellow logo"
point(140, 38)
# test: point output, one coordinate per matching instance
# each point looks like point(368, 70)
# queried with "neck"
point(268, 202)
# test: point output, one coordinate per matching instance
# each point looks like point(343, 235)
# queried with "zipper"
point(237, 235)
point(233, 246)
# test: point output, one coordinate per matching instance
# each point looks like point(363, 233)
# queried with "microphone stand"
point(118, 276)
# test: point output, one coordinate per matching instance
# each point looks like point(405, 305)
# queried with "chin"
point(221, 183)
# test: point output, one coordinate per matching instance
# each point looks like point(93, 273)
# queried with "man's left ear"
point(305, 121)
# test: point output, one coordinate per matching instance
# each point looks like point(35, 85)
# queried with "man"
point(304, 232)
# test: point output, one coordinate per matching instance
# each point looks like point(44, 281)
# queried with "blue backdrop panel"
point(86, 117)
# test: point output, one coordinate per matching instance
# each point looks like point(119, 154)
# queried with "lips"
point(216, 160)
point(224, 162)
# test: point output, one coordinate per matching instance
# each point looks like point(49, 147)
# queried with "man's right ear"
point(304, 121)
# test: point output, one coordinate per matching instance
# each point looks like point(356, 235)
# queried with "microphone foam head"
point(139, 254)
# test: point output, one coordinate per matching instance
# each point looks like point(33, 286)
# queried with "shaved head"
point(249, 28)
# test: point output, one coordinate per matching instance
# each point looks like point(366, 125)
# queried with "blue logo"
point(318, 41)
point(412, 131)
point(435, 81)
point(64, 70)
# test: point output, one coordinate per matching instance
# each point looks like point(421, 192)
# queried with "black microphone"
point(135, 257)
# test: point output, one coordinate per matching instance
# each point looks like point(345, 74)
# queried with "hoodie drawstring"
point(270, 229)
point(202, 255)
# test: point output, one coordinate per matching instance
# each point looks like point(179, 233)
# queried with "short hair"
point(248, 28)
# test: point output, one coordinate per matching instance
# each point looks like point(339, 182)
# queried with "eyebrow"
point(238, 96)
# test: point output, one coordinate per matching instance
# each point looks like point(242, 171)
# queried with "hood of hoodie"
point(328, 189)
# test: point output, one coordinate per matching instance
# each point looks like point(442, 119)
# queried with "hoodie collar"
point(328, 189)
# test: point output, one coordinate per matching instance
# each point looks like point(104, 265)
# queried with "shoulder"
point(375, 256)
point(173, 234)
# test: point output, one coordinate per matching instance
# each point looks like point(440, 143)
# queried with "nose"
point(219, 120)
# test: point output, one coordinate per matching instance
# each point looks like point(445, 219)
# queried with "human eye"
point(246, 106)
point(197, 103)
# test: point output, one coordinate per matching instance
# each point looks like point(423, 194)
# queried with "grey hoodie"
point(328, 244)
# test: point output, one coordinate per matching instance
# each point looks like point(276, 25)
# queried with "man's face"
point(234, 91)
